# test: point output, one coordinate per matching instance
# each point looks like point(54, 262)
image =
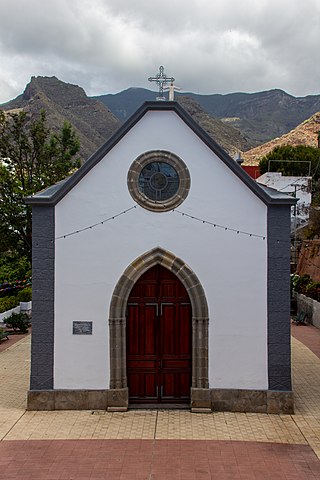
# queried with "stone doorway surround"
point(203, 399)
point(118, 393)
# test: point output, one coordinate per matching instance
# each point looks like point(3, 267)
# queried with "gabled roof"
point(52, 195)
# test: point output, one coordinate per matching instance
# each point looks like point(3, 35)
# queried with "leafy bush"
point(299, 284)
point(292, 160)
point(7, 303)
point(18, 321)
point(25, 295)
point(305, 285)
point(13, 268)
point(313, 290)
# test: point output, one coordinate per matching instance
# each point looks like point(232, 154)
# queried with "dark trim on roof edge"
point(66, 186)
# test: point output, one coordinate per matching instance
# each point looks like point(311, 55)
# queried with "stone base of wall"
point(116, 399)
point(257, 401)
point(202, 400)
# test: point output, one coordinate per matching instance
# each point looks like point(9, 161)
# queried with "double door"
point(159, 339)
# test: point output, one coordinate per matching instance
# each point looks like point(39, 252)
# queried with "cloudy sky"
point(209, 46)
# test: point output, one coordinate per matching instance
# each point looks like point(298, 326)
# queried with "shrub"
point(313, 290)
point(18, 321)
point(299, 284)
point(25, 295)
point(12, 268)
point(7, 303)
point(305, 285)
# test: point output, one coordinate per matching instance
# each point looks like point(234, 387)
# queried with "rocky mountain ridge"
point(259, 116)
point(92, 121)
point(304, 134)
point(228, 137)
point(244, 120)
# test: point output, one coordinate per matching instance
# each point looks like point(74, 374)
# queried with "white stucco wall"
point(232, 268)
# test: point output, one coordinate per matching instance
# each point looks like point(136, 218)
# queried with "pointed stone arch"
point(117, 318)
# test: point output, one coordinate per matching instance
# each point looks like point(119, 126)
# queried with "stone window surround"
point(200, 318)
point(158, 156)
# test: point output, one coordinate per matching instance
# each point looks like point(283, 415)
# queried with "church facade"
point(161, 278)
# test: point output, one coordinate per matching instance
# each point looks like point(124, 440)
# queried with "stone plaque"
point(82, 328)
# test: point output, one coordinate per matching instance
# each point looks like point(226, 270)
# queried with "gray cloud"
point(209, 47)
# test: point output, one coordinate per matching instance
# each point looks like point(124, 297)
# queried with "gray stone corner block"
point(117, 399)
point(40, 400)
point(200, 399)
point(280, 402)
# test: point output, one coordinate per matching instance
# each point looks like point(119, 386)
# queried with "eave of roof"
point(52, 195)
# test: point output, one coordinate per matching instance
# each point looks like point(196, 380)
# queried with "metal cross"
point(161, 80)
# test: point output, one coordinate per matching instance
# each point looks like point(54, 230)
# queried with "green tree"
point(31, 159)
point(293, 160)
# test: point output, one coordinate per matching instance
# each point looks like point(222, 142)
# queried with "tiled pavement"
point(160, 445)
point(157, 459)
point(12, 340)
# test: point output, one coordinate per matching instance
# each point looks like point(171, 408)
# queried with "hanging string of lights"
point(187, 215)
point(217, 225)
point(96, 224)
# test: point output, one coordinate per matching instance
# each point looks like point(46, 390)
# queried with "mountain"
point(92, 121)
point(304, 134)
point(259, 116)
point(237, 121)
point(228, 137)
point(125, 103)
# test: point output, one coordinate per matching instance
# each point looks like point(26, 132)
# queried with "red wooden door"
point(159, 339)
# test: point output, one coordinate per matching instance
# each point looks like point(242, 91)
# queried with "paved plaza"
point(160, 444)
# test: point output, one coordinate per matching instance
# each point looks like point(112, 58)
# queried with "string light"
point(216, 225)
point(96, 224)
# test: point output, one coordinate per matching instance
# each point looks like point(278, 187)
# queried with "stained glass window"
point(159, 181)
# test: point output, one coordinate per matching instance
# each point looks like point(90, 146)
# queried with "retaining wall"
point(311, 307)
point(23, 307)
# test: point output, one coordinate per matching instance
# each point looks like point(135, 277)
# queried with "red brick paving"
point(309, 336)
point(155, 460)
